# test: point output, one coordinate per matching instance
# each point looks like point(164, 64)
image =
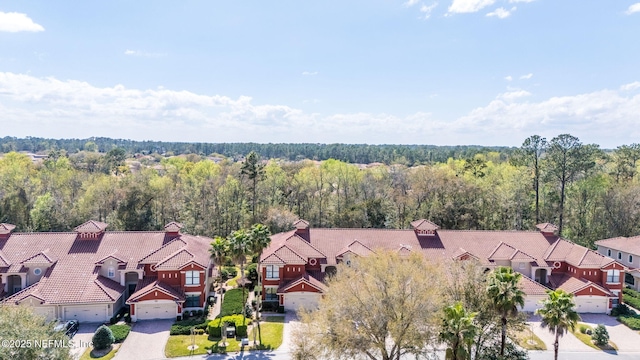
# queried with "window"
point(192, 301)
point(270, 294)
point(613, 276)
point(615, 302)
point(111, 272)
point(193, 278)
point(37, 271)
point(630, 259)
point(272, 272)
point(609, 252)
point(619, 255)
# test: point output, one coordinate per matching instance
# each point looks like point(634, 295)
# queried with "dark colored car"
point(69, 328)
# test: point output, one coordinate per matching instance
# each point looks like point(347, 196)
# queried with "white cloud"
point(526, 77)
point(427, 9)
point(469, 6)
point(631, 86)
point(309, 73)
point(501, 13)
point(410, 3)
point(142, 53)
point(16, 22)
point(514, 95)
point(508, 77)
point(634, 8)
point(521, 1)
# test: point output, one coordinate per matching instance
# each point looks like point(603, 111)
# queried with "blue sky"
point(488, 72)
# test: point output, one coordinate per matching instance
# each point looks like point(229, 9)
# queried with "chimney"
point(172, 229)
point(6, 230)
point(424, 227)
point(547, 229)
point(91, 229)
point(302, 228)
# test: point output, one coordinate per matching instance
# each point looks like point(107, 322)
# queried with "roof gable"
point(39, 258)
point(150, 285)
point(91, 226)
point(6, 228)
point(502, 252)
point(288, 256)
point(424, 224)
point(173, 227)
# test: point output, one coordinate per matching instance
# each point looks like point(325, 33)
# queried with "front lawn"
point(530, 341)
point(586, 338)
point(272, 329)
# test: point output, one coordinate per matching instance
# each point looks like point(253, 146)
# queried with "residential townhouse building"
point(296, 262)
point(90, 274)
point(626, 251)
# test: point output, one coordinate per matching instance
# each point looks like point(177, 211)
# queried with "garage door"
point(156, 310)
point(592, 304)
point(87, 313)
point(307, 300)
point(531, 303)
point(47, 311)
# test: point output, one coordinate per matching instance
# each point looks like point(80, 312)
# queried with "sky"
point(454, 72)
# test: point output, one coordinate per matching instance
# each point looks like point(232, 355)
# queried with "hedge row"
point(232, 302)
point(632, 321)
point(183, 327)
point(631, 301)
point(215, 329)
point(120, 332)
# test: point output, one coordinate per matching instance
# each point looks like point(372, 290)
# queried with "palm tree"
point(260, 239)
point(506, 295)
point(458, 331)
point(219, 253)
point(558, 314)
point(240, 247)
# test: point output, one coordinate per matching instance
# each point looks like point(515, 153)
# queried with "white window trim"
point(619, 255)
point(630, 258)
point(609, 252)
point(275, 272)
point(613, 272)
point(37, 271)
point(111, 272)
point(187, 277)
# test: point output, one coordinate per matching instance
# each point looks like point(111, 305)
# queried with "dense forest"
point(352, 153)
point(590, 194)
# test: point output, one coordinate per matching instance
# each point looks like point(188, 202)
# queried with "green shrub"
point(631, 292)
point(600, 335)
point(215, 330)
point(583, 329)
point(632, 321)
point(113, 320)
point(183, 327)
point(248, 311)
point(621, 309)
point(120, 332)
point(252, 272)
point(631, 301)
point(232, 271)
point(232, 303)
point(103, 338)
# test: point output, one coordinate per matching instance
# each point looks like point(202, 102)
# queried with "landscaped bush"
point(270, 306)
point(632, 321)
point(631, 301)
point(120, 332)
point(103, 338)
point(252, 272)
point(215, 330)
point(631, 292)
point(232, 303)
point(621, 309)
point(231, 271)
point(183, 327)
point(600, 335)
point(583, 329)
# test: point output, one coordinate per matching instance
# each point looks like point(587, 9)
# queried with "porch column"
point(122, 276)
point(23, 281)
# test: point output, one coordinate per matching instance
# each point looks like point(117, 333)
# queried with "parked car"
point(69, 328)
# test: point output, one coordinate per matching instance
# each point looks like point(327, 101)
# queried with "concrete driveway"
point(626, 339)
point(568, 342)
point(146, 340)
point(82, 339)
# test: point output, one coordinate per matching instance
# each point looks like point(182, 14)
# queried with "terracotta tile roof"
point(3, 260)
point(150, 284)
point(404, 250)
point(173, 227)
point(288, 256)
point(572, 284)
point(6, 228)
point(307, 278)
point(175, 260)
point(357, 248)
point(547, 227)
point(502, 252)
point(303, 247)
point(423, 224)
point(91, 226)
point(112, 256)
point(531, 287)
point(74, 277)
point(39, 258)
point(629, 245)
point(301, 224)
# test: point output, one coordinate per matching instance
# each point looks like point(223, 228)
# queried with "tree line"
point(589, 193)
point(352, 153)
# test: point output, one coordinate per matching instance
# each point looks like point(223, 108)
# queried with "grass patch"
point(234, 281)
point(586, 339)
point(272, 329)
point(89, 354)
point(528, 340)
point(233, 302)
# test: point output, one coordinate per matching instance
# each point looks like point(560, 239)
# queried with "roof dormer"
point(547, 229)
point(6, 230)
point(91, 229)
point(173, 229)
point(302, 228)
point(424, 227)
